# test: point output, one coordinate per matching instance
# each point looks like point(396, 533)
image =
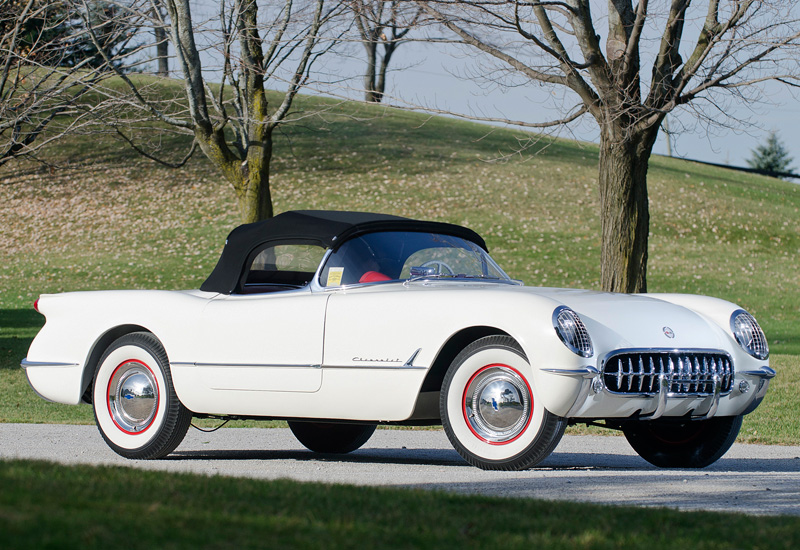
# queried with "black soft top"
point(325, 228)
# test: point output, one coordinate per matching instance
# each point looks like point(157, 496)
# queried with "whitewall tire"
point(490, 410)
point(135, 405)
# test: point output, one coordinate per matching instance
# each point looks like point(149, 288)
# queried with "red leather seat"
point(373, 277)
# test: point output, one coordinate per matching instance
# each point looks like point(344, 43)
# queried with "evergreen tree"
point(54, 35)
point(111, 30)
point(772, 157)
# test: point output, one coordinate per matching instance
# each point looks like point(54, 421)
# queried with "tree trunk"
point(162, 45)
point(370, 91)
point(624, 210)
point(254, 194)
point(249, 178)
point(162, 52)
point(380, 85)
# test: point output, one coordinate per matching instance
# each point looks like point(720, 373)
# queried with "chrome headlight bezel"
point(748, 334)
point(572, 332)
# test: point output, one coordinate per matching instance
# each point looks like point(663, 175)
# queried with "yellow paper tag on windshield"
point(335, 276)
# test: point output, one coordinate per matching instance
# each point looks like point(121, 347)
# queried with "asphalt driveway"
point(752, 479)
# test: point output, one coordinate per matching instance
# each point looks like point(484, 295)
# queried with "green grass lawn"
point(108, 219)
point(48, 506)
point(98, 217)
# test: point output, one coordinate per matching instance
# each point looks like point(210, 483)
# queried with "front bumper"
point(593, 400)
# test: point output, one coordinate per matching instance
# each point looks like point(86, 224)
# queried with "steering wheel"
point(441, 267)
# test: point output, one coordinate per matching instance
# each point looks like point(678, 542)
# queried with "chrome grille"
point(688, 372)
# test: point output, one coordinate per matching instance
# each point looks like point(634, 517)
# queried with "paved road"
point(752, 479)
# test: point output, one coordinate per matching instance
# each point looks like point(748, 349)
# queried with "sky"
point(423, 76)
point(437, 76)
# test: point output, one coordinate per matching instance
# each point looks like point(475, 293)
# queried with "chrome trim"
point(244, 365)
point(677, 374)
point(763, 372)
point(132, 397)
point(25, 364)
point(497, 404)
point(275, 366)
point(314, 285)
point(661, 400)
point(373, 367)
point(428, 279)
point(760, 346)
point(712, 409)
point(581, 333)
point(410, 362)
point(585, 372)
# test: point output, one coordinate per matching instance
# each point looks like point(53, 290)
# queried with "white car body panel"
point(230, 357)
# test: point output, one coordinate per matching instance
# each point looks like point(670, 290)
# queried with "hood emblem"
point(668, 332)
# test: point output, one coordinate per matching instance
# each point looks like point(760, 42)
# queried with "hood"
point(639, 321)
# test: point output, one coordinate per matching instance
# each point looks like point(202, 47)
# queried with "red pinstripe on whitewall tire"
point(490, 408)
point(135, 405)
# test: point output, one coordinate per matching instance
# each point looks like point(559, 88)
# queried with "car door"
point(269, 342)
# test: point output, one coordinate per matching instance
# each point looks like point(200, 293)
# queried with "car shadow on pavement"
point(432, 457)
point(447, 457)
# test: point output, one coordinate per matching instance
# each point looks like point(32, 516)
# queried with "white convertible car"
point(340, 321)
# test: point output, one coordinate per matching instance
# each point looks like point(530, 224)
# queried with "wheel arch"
point(449, 351)
point(100, 346)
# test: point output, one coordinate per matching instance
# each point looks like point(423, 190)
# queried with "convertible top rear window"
point(282, 267)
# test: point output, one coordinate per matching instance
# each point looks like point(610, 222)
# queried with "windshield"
point(401, 255)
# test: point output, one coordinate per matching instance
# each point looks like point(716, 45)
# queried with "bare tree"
point(161, 43)
point(47, 66)
point(382, 25)
point(657, 57)
point(259, 59)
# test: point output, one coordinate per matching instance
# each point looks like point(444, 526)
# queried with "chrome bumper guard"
point(665, 382)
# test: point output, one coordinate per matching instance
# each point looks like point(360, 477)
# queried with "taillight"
point(36, 305)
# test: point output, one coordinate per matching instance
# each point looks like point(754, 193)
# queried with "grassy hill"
point(101, 217)
point(98, 216)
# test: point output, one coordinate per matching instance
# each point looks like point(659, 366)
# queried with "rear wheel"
point(690, 444)
point(331, 437)
point(490, 409)
point(135, 405)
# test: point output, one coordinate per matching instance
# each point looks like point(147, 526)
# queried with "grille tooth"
point(687, 372)
point(630, 374)
point(652, 374)
point(727, 378)
point(641, 374)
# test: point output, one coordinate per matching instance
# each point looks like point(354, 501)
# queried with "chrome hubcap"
point(133, 397)
point(497, 404)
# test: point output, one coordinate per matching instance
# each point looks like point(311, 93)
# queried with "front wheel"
point(490, 409)
point(135, 405)
point(689, 444)
point(330, 437)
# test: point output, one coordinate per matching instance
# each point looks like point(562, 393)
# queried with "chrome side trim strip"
point(764, 372)
point(274, 366)
point(372, 367)
point(25, 364)
point(243, 365)
point(585, 372)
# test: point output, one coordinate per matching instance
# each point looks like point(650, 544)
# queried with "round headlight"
point(572, 331)
point(749, 334)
